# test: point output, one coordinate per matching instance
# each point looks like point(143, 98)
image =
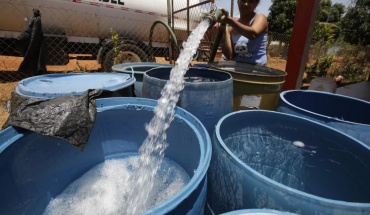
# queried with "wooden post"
point(304, 21)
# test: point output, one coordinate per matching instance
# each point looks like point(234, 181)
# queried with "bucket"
point(255, 87)
point(271, 160)
point(34, 168)
point(346, 114)
point(137, 70)
point(55, 85)
point(207, 93)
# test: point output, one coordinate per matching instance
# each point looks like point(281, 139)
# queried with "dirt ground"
point(9, 76)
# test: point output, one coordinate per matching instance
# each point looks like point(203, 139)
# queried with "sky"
point(264, 5)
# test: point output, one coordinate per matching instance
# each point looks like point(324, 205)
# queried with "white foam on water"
point(104, 189)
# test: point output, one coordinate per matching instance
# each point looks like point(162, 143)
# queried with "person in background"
point(245, 39)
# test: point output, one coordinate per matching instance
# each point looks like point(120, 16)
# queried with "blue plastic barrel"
point(343, 113)
point(207, 93)
point(137, 70)
point(54, 85)
point(36, 168)
point(271, 160)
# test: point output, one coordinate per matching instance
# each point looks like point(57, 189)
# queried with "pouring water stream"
point(154, 146)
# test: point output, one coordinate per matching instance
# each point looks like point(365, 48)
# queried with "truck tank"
point(88, 18)
point(84, 26)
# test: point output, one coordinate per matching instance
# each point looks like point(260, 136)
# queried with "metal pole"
point(188, 17)
point(232, 8)
point(304, 21)
point(170, 18)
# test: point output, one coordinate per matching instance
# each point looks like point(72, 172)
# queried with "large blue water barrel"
point(35, 168)
point(272, 160)
point(137, 70)
point(346, 114)
point(207, 93)
point(54, 85)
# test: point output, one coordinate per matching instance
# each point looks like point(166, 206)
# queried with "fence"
point(78, 32)
point(338, 59)
point(76, 45)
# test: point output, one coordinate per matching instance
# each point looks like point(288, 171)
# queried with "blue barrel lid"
point(137, 67)
point(54, 85)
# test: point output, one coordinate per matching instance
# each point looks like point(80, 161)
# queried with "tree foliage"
point(282, 13)
point(281, 16)
point(324, 10)
point(324, 31)
point(336, 13)
point(331, 13)
point(355, 25)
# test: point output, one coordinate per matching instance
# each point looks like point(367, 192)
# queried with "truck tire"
point(129, 53)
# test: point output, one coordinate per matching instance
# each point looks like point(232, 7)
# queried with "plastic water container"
point(255, 87)
point(270, 160)
point(137, 70)
point(346, 114)
point(207, 93)
point(54, 85)
point(36, 168)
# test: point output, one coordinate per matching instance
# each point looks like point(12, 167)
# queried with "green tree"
point(324, 10)
point(355, 25)
point(324, 31)
point(281, 16)
point(336, 13)
point(329, 12)
point(326, 28)
point(282, 13)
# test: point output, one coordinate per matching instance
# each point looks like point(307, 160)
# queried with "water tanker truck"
point(86, 26)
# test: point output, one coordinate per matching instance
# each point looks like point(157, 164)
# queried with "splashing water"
point(104, 188)
point(150, 160)
point(152, 150)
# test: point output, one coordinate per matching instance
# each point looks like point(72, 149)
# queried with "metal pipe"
point(214, 17)
point(217, 43)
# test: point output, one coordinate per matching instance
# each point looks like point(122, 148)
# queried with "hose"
point(173, 36)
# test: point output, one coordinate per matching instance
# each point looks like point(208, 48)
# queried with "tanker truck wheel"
point(129, 53)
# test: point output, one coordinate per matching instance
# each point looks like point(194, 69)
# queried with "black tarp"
point(32, 47)
point(70, 118)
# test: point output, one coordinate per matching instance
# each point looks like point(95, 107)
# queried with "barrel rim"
point(259, 82)
point(23, 90)
point(222, 65)
point(192, 121)
point(9, 135)
point(227, 74)
point(280, 185)
point(130, 67)
point(283, 98)
point(263, 211)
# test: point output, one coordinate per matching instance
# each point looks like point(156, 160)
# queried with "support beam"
point(304, 21)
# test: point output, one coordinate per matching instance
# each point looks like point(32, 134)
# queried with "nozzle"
point(214, 16)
